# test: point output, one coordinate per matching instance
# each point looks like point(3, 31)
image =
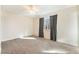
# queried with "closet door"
point(41, 23)
point(53, 27)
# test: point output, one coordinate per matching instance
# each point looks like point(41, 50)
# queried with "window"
point(46, 23)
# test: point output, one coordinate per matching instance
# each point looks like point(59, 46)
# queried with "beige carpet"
point(35, 45)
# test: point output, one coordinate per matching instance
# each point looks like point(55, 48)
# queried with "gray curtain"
point(41, 23)
point(53, 27)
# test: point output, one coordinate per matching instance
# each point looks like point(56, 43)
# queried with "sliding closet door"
point(53, 27)
point(41, 23)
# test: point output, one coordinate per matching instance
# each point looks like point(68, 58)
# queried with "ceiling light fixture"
point(32, 8)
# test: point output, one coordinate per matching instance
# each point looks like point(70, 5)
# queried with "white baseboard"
point(67, 42)
point(7, 39)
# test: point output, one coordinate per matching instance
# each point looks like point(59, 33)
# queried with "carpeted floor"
point(35, 45)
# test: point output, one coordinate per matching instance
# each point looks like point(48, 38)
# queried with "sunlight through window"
point(54, 51)
point(26, 37)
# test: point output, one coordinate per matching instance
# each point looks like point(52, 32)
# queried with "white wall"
point(15, 25)
point(66, 26)
point(36, 26)
point(78, 22)
point(0, 29)
point(0, 23)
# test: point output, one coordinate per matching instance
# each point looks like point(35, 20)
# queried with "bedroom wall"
point(36, 26)
point(66, 26)
point(0, 29)
point(0, 24)
point(78, 25)
point(78, 22)
point(15, 26)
